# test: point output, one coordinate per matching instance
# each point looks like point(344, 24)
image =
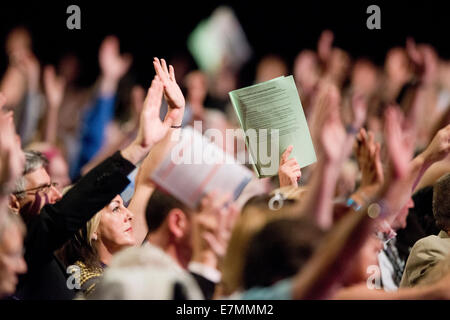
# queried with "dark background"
point(150, 28)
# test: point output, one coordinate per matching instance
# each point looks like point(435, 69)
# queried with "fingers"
point(172, 115)
point(159, 70)
point(286, 154)
point(164, 66)
point(172, 73)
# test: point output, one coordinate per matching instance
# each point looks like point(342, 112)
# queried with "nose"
point(128, 214)
point(55, 195)
point(21, 266)
point(411, 203)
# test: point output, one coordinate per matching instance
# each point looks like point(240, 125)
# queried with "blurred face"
point(364, 78)
point(68, 68)
point(306, 71)
point(397, 65)
point(38, 192)
point(400, 219)
point(366, 257)
point(11, 260)
point(197, 87)
point(269, 68)
point(339, 64)
point(115, 230)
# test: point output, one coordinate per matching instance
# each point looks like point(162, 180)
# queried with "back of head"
point(145, 273)
point(441, 202)
point(279, 250)
point(254, 216)
point(158, 207)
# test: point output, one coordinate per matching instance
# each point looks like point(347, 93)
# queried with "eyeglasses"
point(45, 188)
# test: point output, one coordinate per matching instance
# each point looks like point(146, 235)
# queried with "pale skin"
point(163, 83)
point(11, 260)
point(115, 230)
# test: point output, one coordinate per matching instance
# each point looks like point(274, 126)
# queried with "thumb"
point(171, 116)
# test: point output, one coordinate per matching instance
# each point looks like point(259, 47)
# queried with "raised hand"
point(12, 159)
point(151, 128)
point(172, 91)
point(369, 161)
point(113, 65)
point(289, 171)
point(359, 108)
point(29, 65)
point(424, 59)
point(400, 144)
point(54, 87)
point(439, 147)
point(333, 135)
point(212, 228)
point(325, 45)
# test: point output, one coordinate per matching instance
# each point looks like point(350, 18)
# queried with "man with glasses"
point(51, 219)
point(34, 189)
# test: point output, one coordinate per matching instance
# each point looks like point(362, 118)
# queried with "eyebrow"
point(40, 186)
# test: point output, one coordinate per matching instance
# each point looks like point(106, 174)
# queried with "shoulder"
point(89, 277)
point(432, 245)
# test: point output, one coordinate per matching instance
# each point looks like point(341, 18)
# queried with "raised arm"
point(334, 145)
point(57, 222)
point(323, 273)
point(12, 158)
point(144, 186)
point(54, 93)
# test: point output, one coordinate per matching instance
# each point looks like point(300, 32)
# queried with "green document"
point(272, 117)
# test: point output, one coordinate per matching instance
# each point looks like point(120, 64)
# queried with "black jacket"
point(47, 232)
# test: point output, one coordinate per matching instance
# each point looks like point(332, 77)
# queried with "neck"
point(105, 253)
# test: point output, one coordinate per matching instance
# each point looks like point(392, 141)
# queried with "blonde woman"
point(91, 249)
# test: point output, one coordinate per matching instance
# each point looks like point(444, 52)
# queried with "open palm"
point(152, 129)
point(172, 91)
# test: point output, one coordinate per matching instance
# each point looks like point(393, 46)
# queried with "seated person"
point(92, 247)
point(427, 252)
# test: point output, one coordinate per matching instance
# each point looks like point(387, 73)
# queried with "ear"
point(177, 222)
point(95, 236)
point(14, 204)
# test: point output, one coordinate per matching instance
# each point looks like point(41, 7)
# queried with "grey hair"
point(34, 160)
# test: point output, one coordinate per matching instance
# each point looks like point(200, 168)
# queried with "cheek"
point(112, 232)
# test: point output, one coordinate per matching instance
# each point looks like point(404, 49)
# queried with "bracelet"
point(350, 129)
point(352, 203)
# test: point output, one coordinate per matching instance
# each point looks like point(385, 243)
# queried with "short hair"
point(280, 250)
point(441, 202)
point(159, 206)
point(34, 160)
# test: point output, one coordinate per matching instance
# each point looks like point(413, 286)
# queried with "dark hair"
point(159, 206)
point(279, 250)
point(441, 202)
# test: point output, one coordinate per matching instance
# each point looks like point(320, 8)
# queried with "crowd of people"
point(81, 218)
